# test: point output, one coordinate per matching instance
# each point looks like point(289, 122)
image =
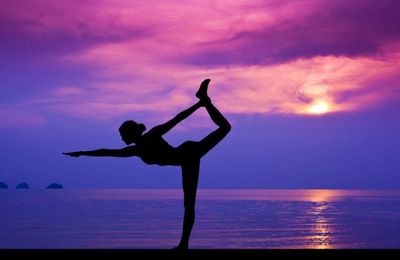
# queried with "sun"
point(319, 108)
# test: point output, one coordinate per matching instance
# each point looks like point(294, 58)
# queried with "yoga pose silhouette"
point(153, 149)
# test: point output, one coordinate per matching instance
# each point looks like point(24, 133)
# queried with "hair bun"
point(142, 127)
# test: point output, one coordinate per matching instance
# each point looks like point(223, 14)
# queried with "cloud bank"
point(273, 57)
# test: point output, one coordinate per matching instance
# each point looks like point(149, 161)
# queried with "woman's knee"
point(190, 211)
point(189, 205)
point(226, 126)
point(223, 130)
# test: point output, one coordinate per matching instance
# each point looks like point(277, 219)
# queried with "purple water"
point(225, 219)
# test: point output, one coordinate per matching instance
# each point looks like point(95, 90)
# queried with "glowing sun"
point(318, 108)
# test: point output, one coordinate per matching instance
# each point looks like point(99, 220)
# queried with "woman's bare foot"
point(202, 92)
point(180, 248)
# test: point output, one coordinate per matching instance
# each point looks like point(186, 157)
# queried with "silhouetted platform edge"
point(230, 253)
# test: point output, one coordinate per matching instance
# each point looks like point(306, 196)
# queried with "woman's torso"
point(153, 149)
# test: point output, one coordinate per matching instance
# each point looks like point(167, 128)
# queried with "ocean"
point(226, 219)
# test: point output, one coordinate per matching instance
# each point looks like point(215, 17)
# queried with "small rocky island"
point(54, 186)
point(3, 185)
point(22, 185)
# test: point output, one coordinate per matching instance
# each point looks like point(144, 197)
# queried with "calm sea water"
point(225, 219)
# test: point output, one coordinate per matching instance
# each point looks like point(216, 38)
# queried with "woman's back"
point(153, 149)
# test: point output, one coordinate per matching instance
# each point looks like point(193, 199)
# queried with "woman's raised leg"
point(224, 127)
point(207, 143)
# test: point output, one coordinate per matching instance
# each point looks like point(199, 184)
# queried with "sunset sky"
point(312, 89)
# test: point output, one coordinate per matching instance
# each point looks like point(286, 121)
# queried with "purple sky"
point(312, 89)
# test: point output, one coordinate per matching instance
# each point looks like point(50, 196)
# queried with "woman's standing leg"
point(190, 177)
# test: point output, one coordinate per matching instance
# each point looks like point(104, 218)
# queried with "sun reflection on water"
point(322, 227)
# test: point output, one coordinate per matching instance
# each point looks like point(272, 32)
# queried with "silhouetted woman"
point(153, 149)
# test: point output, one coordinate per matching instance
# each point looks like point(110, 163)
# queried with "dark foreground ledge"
point(200, 253)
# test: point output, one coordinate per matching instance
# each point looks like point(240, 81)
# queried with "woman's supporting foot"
point(202, 92)
point(181, 248)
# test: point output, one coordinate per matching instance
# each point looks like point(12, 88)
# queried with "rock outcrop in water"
point(22, 185)
point(3, 185)
point(54, 186)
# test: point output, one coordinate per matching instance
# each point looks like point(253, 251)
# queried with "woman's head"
point(131, 131)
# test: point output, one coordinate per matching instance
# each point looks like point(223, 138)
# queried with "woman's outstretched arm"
point(166, 127)
point(124, 152)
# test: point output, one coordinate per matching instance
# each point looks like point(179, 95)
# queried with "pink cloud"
point(291, 87)
point(294, 57)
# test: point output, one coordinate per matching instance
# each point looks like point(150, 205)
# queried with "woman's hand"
point(74, 154)
point(205, 101)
